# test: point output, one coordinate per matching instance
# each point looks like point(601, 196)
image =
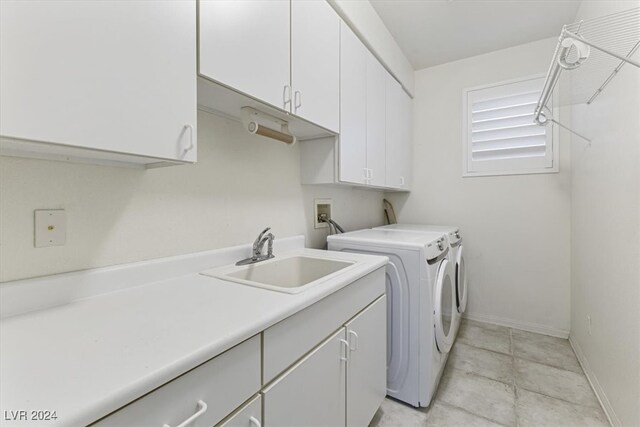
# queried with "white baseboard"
point(525, 326)
point(595, 384)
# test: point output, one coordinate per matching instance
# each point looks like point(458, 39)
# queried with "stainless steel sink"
point(291, 275)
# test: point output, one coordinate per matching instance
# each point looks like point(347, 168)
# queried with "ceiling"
point(432, 32)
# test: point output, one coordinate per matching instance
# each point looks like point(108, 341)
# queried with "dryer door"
point(445, 306)
point(461, 281)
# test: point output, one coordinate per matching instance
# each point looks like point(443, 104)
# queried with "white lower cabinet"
point(205, 395)
point(342, 381)
point(366, 363)
point(291, 374)
point(312, 392)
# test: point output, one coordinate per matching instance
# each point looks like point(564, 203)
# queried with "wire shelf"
point(588, 56)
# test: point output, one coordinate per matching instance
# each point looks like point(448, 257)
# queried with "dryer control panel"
point(436, 248)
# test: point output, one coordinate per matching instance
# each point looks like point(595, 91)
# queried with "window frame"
point(467, 169)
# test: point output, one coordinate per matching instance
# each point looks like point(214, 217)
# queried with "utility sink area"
point(290, 274)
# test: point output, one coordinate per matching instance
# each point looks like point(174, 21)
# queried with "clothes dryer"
point(421, 306)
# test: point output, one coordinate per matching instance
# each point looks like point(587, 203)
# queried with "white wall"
point(605, 243)
point(515, 228)
point(241, 184)
point(367, 24)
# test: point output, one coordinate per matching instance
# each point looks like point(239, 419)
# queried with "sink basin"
point(291, 275)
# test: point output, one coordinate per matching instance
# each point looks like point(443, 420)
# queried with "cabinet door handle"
point(255, 422)
point(355, 335)
point(286, 97)
point(370, 174)
point(202, 408)
point(345, 344)
point(189, 128)
point(297, 97)
point(366, 174)
point(402, 180)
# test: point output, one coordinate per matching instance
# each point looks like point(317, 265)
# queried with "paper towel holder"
point(259, 123)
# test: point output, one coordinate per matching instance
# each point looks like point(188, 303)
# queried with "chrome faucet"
point(258, 245)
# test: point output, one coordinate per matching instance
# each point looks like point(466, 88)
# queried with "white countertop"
point(90, 357)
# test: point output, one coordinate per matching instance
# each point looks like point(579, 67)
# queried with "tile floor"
point(501, 376)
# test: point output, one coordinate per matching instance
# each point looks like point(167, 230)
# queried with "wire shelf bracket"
point(616, 35)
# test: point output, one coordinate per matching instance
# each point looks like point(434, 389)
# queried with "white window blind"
point(500, 136)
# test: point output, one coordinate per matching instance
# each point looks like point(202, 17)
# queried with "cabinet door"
point(353, 107)
point(406, 139)
point(312, 392)
point(367, 365)
point(376, 118)
point(249, 415)
point(398, 131)
point(315, 62)
point(245, 45)
point(112, 76)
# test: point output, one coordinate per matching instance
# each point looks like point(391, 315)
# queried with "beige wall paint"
point(240, 184)
point(605, 246)
point(515, 228)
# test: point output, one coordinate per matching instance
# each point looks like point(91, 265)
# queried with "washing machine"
point(421, 306)
point(456, 255)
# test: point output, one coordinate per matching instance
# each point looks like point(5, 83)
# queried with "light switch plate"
point(50, 227)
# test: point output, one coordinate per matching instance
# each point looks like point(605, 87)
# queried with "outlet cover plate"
point(321, 206)
point(50, 227)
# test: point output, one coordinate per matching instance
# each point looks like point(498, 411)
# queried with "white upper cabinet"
point(285, 53)
point(353, 108)
point(376, 106)
point(315, 63)
point(115, 77)
point(246, 45)
point(374, 145)
point(399, 135)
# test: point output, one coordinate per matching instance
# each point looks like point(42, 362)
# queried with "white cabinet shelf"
point(101, 82)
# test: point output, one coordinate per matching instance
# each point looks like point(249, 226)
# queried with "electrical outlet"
point(50, 227)
point(322, 208)
point(589, 324)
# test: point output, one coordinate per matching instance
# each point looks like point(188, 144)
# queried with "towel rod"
point(254, 122)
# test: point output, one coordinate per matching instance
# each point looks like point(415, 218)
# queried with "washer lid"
point(389, 238)
point(445, 307)
point(452, 232)
point(461, 282)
